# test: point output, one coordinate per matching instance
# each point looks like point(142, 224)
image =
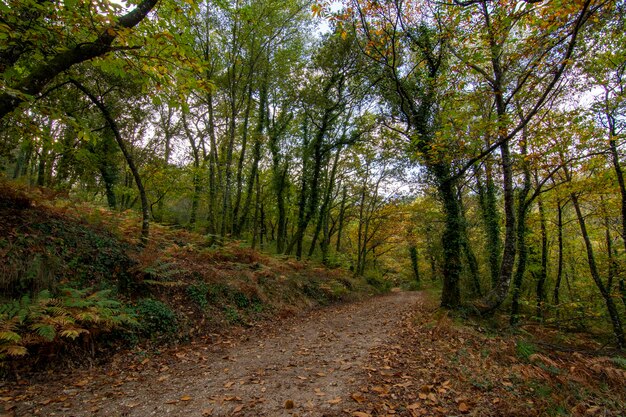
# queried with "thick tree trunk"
point(452, 239)
point(487, 199)
point(522, 248)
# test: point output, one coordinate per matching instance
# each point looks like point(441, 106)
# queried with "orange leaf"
point(358, 397)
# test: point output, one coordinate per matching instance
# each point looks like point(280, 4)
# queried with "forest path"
point(302, 366)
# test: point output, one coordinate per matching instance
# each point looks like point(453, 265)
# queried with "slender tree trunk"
point(213, 171)
point(472, 262)
point(414, 264)
point(145, 208)
point(195, 198)
point(559, 270)
point(242, 157)
point(323, 212)
point(256, 157)
point(342, 214)
point(296, 237)
point(595, 274)
point(543, 272)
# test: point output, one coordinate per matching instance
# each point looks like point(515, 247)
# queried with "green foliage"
point(619, 361)
point(374, 279)
point(68, 315)
point(198, 294)
point(524, 349)
point(155, 318)
point(232, 315)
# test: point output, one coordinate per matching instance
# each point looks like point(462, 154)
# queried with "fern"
point(74, 312)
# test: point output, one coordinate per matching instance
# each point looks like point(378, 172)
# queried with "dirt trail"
point(305, 366)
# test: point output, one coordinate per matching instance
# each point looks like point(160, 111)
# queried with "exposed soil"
point(310, 365)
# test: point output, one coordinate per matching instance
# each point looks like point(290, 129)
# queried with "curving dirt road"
point(304, 366)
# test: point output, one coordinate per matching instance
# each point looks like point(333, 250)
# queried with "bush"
point(198, 294)
point(375, 280)
point(155, 318)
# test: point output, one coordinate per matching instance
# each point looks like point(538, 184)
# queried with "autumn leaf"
point(358, 397)
point(334, 401)
point(185, 398)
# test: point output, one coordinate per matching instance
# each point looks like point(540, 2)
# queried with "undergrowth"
point(69, 314)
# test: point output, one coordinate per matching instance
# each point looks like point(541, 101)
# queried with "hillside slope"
point(71, 273)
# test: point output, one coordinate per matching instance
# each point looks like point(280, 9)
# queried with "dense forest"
point(474, 143)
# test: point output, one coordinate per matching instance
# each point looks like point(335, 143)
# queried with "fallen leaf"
point(463, 408)
point(238, 409)
point(358, 397)
point(171, 402)
point(413, 406)
point(185, 398)
point(334, 401)
point(232, 398)
point(207, 412)
point(360, 414)
point(81, 383)
point(229, 384)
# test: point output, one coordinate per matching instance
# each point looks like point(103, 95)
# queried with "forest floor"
point(396, 354)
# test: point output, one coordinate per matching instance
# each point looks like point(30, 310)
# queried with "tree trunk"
point(323, 212)
point(543, 272)
point(488, 205)
point(414, 265)
point(610, 305)
point(452, 238)
point(145, 209)
point(256, 157)
point(242, 157)
point(342, 214)
point(559, 270)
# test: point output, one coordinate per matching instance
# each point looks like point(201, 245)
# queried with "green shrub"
point(375, 280)
point(232, 315)
point(155, 318)
point(198, 294)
